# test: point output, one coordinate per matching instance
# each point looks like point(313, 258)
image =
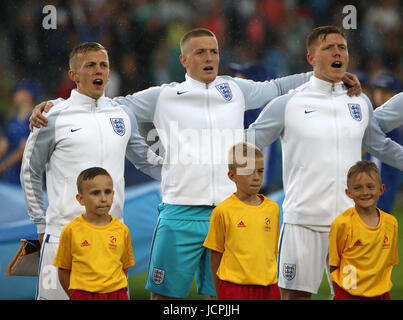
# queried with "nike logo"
point(74, 130)
point(309, 111)
point(180, 92)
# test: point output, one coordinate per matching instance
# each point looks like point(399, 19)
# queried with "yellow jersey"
point(96, 256)
point(364, 256)
point(247, 236)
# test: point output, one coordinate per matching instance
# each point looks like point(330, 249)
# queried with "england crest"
point(158, 275)
point(225, 91)
point(289, 271)
point(118, 126)
point(355, 111)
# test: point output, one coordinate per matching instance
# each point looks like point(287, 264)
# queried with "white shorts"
point(49, 287)
point(303, 255)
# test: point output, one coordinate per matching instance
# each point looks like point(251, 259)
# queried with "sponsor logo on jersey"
point(386, 244)
point(355, 111)
point(309, 111)
point(118, 126)
point(225, 91)
point(289, 271)
point(158, 276)
point(85, 244)
point(112, 242)
point(267, 224)
point(241, 224)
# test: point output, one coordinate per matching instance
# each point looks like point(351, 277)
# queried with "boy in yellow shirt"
point(95, 250)
point(363, 240)
point(243, 234)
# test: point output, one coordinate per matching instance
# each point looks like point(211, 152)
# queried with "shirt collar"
point(327, 87)
point(82, 99)
point(197, 84)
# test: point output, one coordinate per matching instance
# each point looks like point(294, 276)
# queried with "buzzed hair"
point(322, 32)
point(367, 167)
point(194, 33)
point(81, 48)
point(89, 174)
point(239, 152)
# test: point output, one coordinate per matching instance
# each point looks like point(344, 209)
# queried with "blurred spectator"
point(273, 31)
point(16, 132)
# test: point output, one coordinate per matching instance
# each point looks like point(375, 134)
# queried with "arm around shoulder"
point(377, 144)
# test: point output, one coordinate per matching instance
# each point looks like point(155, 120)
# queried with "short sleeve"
point(63, 257)
point(215, 239)
point(337, 242)
point(127, 257)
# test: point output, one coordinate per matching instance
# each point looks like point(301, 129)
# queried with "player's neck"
point(97, 220)
point(252, 200)
point(370, 216)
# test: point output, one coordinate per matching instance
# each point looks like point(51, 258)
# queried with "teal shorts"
point(177, 252)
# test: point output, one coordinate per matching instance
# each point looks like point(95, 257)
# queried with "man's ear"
point(310, 58)
point(183, 60)
point(73, 76)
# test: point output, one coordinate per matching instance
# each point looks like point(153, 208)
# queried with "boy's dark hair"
point(89, 174)
point(367, 167)
point(194, 33)
point(319, 32)
point(83, 48)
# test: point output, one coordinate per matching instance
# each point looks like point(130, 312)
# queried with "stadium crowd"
point(142, 38)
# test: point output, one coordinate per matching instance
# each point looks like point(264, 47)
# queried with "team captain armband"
point(26, 260)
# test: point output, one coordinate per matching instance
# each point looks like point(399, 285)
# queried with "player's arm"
point(390, 114)
point(64, 279)
point(215, 260)
point(269, 126)
point(259, 94)
point(376, 143)
point(141, 103)
point(139, 153)
point(38, 118)
point(38, 150)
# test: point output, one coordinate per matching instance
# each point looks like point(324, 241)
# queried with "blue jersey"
point(15, 132)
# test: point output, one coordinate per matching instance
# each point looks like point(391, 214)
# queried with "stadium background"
point(142, 37)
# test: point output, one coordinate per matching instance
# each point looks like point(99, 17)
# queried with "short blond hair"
point(194, 33)
point(367, 167)
point(239, 153)
point(82, 48)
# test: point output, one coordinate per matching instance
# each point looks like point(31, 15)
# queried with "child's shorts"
point(341, 294)
point(232, 291)
point(84, 295)
point(178, 254)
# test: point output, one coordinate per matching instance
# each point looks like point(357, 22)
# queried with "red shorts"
point(84, 295)
point(231, 291)
point(341, 294)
